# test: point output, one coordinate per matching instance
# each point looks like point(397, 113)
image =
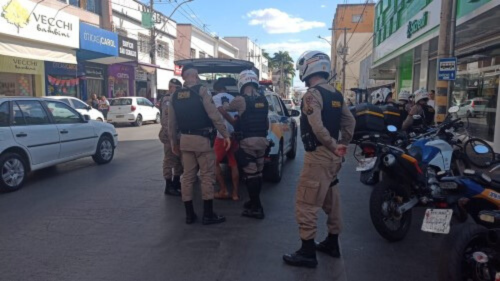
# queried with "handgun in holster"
point(309, 141)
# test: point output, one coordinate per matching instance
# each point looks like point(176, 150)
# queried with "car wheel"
point(274, 170)
point(157, 120)
point(138, 121)
point(293, 151)
point(105, 150)
point(13, 171)
point(100, 119)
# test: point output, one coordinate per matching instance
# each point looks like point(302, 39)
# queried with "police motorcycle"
point(408, 177)
point(471, 251)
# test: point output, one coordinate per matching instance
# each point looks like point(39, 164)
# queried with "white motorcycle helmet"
point(313, 62)
point(421, 94)
point(404, 95)
point(246, 77)
point(380, 96)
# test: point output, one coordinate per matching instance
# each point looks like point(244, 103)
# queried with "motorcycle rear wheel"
point(385, 198)
point(455, 262)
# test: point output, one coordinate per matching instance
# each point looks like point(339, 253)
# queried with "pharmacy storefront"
point(31, 34)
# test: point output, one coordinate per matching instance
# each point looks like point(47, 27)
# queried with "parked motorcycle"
point(472, 251)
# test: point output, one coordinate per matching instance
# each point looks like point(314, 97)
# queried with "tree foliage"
point(283, 60)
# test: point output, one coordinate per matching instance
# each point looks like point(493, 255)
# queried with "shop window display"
point(12, 84)
point(62, 86)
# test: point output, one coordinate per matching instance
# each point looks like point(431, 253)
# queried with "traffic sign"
point(447, 69)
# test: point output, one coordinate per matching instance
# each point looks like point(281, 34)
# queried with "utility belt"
point(239, 135)
point(310, 142)
point(207, 133)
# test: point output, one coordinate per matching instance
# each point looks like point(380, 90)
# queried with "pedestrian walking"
point(192, 113)
point(324, 116)
point(104, 106)
point(253, 108)
point(220, 98)
point(172, 166)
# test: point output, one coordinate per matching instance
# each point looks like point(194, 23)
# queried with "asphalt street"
point(81, 221)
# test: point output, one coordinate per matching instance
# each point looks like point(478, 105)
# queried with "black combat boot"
point(253, 208)
point(305, 256)
point(191, 217)
point(330, 245)
point(209, 217)
point(170, 189)
point(176, 183)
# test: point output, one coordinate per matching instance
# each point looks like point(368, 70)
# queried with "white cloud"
point(296, 49)
point(193, 15)
point(323, 6)
point(275, 21)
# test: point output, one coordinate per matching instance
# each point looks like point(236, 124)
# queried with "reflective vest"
point(331, 114)
point(254, 121)
point(189, 110)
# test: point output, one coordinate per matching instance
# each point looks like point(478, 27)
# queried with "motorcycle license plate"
point(437, 221)
point(366, 164)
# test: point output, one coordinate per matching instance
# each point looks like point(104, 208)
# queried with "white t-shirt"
point(219, 100)
point(431, 103)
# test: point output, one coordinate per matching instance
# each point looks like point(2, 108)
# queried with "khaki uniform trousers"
point(256, 148)
point(171, 162)
point(197, 155)
point(315, 192)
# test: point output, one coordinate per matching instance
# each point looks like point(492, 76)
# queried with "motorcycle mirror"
point(417, 117)
point(392, 128)
point(453, 109)
point(481, 149)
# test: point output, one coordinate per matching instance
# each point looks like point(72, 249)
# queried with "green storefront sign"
point(415, 25)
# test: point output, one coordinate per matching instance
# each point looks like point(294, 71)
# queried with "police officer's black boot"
point(191, 217)
point(254, 208)
point(305, 256)
point(209, 217)
point(170, 188)
point(330, 245)
point(177, 185)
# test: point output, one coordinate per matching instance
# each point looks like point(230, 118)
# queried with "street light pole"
point(344, 55)
point(152, 53)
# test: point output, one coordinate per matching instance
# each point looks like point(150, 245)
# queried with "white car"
point(473, 107)
point(81, 107)
point(289, 104)
point(135, 110)
point(36, 133)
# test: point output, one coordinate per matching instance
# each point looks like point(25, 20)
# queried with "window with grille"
point(163, 49)
point(144, 43)
point(203, 55)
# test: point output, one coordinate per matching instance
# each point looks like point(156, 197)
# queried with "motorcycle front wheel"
point(456, 260)
point(385, 200)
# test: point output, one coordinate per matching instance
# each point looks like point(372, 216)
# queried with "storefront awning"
point(10, 46)
point(149, 68)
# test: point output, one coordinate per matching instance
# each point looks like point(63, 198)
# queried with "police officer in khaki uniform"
point(324, 115)
point(193, 114)
point(252, 107)
point(170, 160)
point(421, 108)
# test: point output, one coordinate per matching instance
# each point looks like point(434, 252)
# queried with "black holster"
point(309, 141)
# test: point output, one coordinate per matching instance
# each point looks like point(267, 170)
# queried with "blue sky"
point(288, 25)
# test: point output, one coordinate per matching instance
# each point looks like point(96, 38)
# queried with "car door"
point(84, 109)
point(34, 131)
point(5, 131)
point(77, 136)
point(151, 108)
point(285, 122)
point(145, 109)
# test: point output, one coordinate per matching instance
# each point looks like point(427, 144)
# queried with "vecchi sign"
point(36, 22)
point(416, 25)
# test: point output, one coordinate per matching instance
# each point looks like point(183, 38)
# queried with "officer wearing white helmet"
point(382, 97)
point(252, 107)
point(421, 108)
point(403, 104)
point(324, 117)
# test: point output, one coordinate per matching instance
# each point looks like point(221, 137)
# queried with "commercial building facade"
point(406, 50)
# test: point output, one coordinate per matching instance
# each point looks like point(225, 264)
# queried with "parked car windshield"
point(121, 102)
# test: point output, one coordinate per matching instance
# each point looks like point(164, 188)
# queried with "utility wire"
point(356, 26)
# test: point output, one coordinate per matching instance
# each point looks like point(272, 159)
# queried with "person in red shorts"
point(219, 99)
